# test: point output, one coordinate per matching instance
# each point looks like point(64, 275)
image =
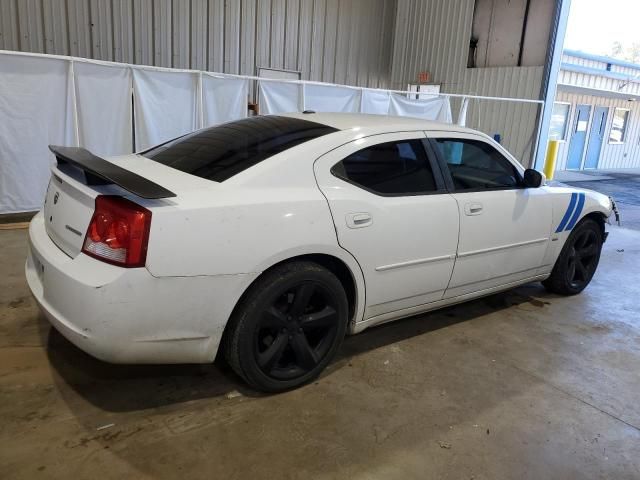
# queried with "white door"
point(392, 213)
point(504, 227)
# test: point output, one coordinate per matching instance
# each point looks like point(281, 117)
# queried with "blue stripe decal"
point(567, 214)
point(576, 214)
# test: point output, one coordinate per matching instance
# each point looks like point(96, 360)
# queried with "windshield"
point(220, 152)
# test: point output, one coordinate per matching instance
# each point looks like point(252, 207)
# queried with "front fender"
point(570, 206)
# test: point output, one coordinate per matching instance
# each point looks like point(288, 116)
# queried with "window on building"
point(392, 168)
point(559, 120)
point(476, 165)
point(618, 130)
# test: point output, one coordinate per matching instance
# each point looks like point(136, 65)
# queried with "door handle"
point(473, 208)
point(358, 220)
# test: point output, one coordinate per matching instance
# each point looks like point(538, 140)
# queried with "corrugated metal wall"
point(339, 41)
point(625, 155)
point(600, 82)
point(585, 62)
point(431, 35)
point(515, 122)
point(589, 62)
point(434, 35)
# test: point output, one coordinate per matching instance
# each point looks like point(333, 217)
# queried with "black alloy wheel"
point(583, 258)
point(287, 327)
point(296, 331)
point(578, 259)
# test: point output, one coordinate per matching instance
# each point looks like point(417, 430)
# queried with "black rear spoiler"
point(99, 171)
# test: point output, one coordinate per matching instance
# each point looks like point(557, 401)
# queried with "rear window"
point(220, 152)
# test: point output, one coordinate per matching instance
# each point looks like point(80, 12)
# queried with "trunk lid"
point(73, 187)
point(68, 208)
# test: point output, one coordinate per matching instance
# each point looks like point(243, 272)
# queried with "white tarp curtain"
point(279, 97)
point(321, 98)
point(165, 105)
point(103, 100)
point(436, 108)
point(286, 97)
point(41, 103)
point(35, 111)
point(224, 98)
point(375, 101)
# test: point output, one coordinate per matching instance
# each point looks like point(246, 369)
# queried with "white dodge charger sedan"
point(268, 239)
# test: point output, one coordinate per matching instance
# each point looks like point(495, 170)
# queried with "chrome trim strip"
point(502, 247)
point(410, 263)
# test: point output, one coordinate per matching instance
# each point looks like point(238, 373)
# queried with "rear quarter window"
point(218, 153)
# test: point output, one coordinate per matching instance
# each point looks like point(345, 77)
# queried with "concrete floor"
point(523, 384)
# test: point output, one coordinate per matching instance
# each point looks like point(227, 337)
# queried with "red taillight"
point(118, 232)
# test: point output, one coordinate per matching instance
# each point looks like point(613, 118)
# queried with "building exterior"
point(596, 115)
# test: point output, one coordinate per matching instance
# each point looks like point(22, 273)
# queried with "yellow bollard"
point(550, 161)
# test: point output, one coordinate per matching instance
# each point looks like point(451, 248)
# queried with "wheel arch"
point(557, 280)
point(599, 217)
point(340, 269)
point(346, 269)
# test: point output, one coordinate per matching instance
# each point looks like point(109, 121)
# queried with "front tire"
point(287, 327)
point(577, 261)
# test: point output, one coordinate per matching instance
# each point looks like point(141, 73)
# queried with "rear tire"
point(287, 327)
point(577, 261)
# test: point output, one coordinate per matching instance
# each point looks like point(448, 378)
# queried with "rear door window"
point(391, 168)
point(220, 152)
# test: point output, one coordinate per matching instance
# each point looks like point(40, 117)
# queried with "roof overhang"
point(597, 92)
point(601, 58)
point(571, 67)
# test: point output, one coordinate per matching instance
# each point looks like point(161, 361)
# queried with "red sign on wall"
point(424, 77)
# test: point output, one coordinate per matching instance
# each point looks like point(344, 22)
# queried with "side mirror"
point(533, 178)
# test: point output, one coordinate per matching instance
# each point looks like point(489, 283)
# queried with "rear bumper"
point(122, 315)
